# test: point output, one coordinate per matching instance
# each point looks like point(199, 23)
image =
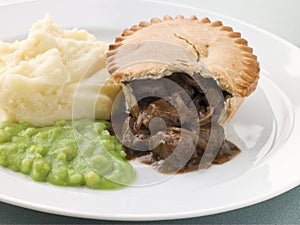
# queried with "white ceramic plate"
point(267, 127)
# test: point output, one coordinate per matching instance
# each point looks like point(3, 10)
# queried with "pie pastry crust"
point(161, 47)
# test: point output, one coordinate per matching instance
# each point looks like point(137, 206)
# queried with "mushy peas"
point(78, 153)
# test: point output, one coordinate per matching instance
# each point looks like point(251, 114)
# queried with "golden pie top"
point(160, 47)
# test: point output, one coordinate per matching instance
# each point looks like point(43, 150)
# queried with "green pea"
point(26, 165)
point(40, 170)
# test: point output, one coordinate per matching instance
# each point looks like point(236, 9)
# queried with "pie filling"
point(174, 124)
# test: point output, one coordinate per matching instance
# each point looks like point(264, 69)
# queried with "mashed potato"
point(53, 75)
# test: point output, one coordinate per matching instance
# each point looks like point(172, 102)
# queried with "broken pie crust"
point(161, 47)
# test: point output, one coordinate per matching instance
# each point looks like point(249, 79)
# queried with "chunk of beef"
point(187, 91)
point(172, 149)
point(160, 108)
point(135, 139)
point(149, 89)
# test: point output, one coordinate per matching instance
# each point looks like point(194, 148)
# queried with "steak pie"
point(183, 79)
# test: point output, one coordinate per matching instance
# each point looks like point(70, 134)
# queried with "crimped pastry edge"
point(248, 75)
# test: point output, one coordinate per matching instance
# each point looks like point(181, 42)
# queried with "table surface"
point(280, 17)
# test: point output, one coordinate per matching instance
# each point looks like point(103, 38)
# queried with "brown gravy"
point(146, 157)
